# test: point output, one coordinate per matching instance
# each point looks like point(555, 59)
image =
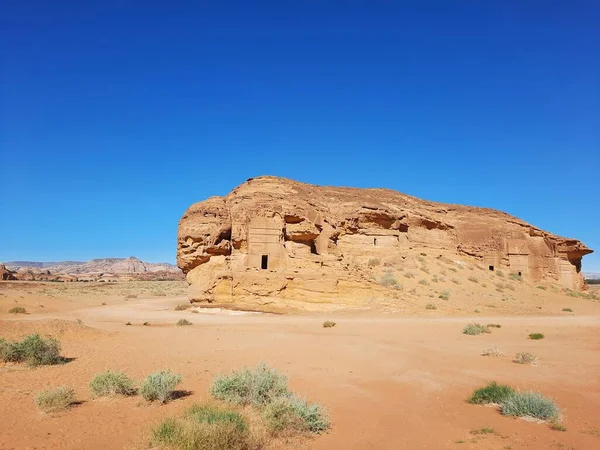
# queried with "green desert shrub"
point(291, 413)
point(183, 322)
point(492, 393)
point(108, 383)
point(17, 310)
point(257, 387)
point(34, 350)
point(445, 295)
point(567, 310)
point(536, 336)
point(203, 431)
point(474, 329)
point(530, 404)
point(526, 358)
point(328, 324)
point(53, 400)
point(160, 386)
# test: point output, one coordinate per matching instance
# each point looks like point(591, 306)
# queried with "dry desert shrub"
point(445, 295)
point(53, 400)
point(373, 262)
point(183, 322)
point(329, 324)
point(108, 384)
point(389, 280)
point(492, 351)
point(17, 310)
point(430, 306)
point(257, 387)
point(265, 389)
point(183, 307)
point(160, 386)
point(526, 358)
point(291, 413)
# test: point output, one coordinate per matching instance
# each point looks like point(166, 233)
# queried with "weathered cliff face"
point(273, 240)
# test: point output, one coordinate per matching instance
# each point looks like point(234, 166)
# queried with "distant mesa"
point(276, 240)
point(104, 269)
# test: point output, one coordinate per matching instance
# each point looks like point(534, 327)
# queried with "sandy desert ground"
point(390, 378)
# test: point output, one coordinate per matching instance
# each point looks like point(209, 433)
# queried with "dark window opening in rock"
point(519, 273)
point(374, 241)
point(313, 248)
point(264, 263)
point(491, 268)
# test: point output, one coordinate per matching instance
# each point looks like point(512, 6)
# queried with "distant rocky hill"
point(591, 276)
point(96, 269)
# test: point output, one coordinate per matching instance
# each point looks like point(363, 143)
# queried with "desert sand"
point(391, 378)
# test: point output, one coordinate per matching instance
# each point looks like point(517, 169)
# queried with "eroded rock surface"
point(278, 240)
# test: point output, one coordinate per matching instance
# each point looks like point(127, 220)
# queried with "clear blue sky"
point(116, 116)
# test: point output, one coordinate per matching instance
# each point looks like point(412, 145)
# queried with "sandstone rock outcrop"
point(6, 274)
point(274, 240)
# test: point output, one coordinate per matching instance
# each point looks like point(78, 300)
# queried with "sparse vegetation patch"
point(17, 310)
point(430, 306)
point(328, 324)
point(445, 295)
point(183, 322)
point(567, 310)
